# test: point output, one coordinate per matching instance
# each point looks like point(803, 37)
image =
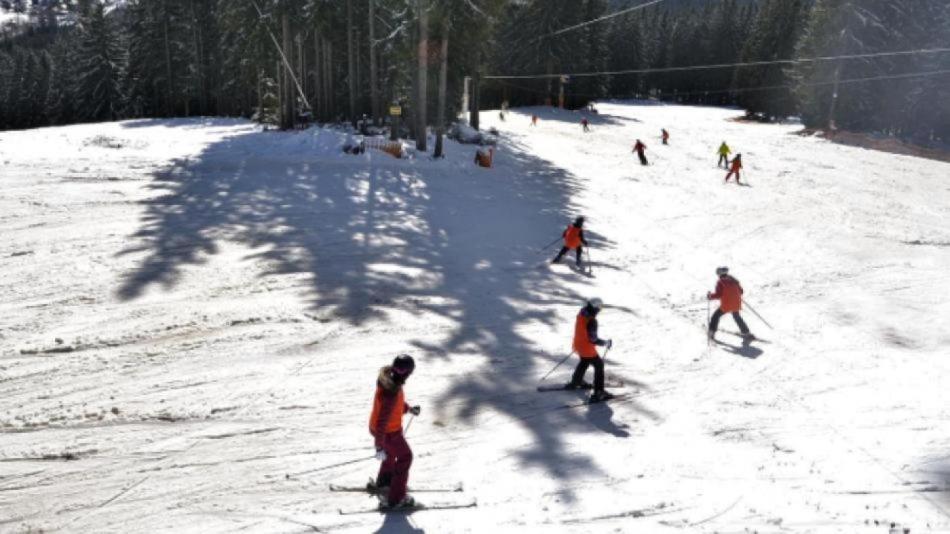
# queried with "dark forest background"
point(69, 61)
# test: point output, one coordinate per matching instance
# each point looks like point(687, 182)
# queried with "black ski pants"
point(723, 160)
point(643, 158)
point(581, 370)
point(714, 321)
point(578, 250)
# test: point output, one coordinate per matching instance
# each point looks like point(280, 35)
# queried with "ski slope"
point(195, 311)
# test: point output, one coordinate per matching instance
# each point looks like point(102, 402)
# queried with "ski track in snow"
point(195, 312)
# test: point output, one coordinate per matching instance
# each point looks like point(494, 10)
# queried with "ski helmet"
point(403, 365)
point(722, 270)
point(595, 303)
point(579, 221)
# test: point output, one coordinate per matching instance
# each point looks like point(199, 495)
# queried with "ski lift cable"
point(283, 57)
point(599, 19)
point(921, 74)
point(727, 65)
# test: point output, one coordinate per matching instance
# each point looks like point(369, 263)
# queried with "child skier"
point(665, 136)
point(724, 152)
point(573, 240)
point(586, 124)
point(735, 168)
point(586, 342)
point(385, 424)
point(534, 120)
point(729, 293)
point(639, 147)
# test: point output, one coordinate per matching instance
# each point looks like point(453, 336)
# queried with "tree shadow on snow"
point(398, 523)
point(366, 239)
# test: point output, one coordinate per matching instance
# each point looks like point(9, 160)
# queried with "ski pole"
point(757, 314)
point(549, 244)
point(409, 424)
point(590, 266)
point(708, 339)
point(556, 366)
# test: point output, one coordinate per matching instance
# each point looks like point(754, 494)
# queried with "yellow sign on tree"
point(395, 111)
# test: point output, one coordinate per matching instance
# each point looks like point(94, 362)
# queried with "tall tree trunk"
point(443, 75)
point(170, 103)
point(423, 75)
point(298, 40)
point(199, 61)
point(351, 61)
point(331, 98)
point(287, 112)
point(317, 77)
point(373, 81)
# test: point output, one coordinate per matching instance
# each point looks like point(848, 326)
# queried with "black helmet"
point(579, 221)
point(722, 270)
point(403, 365)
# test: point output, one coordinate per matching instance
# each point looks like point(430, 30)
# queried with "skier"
point(729, 294)
point(735, 168)
point(639, 147)
point(724, 152)
point(573, 240)
point(586, 342)
point(534, 120)
point(385, 424)
point(665, 135)
point(586, 124)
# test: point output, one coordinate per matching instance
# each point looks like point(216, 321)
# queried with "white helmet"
point(595, 303)
point(722, 270)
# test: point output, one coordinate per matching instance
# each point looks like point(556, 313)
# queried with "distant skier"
point(586, 124)
point(724, 152)
point(729, 294)
point(573, 240)
point(639, 147)
point(585, 345)
point(665, 136)
point(735, 168)
point(534, 120)
point(501, 116)
point(385, 424)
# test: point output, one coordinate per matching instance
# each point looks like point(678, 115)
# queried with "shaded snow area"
point(194, 313)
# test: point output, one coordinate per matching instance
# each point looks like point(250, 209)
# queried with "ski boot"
point(600, 396)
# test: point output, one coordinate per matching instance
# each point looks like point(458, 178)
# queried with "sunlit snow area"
point(194, 313)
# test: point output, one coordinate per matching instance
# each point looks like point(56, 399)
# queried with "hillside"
point(195, 312)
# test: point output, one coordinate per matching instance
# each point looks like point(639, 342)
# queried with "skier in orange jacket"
point(573, 240)
point(665, 136)
point(385, 424)
point(585, 345)
point(729, 294)
point(735, 168)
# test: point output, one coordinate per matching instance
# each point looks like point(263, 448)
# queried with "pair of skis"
point(585, 387)
point(372, 490)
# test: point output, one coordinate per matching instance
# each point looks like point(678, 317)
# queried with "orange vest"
point(730, 295)
point(582, 345)
point(395, 418)
point(572, 237)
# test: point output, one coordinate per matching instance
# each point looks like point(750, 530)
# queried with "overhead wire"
point(599, 19)
point(791, 61)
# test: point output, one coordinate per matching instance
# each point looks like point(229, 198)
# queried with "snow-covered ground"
point(194, 312)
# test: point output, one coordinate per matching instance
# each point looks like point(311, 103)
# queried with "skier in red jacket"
point(385, 424)
point(586, 124)
point(729, 294)
point(665, 136)
point(639, 147)
point(585, 345)
point(735, 168)
point(573, 240)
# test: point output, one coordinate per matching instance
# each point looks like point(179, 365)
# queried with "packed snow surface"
point(194, 313)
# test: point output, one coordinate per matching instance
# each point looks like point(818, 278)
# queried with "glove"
point(381, 455)
point(708, 295)
point(415, 410)
point(610, 343)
